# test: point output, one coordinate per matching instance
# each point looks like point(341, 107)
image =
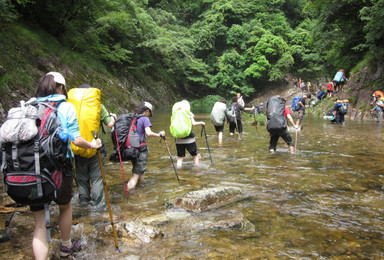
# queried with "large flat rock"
point(207, 199)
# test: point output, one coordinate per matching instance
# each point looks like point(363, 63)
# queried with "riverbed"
point(323, 202)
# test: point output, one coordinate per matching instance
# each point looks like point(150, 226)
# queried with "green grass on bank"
point(26, 53)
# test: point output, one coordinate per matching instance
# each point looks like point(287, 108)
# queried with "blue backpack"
point(338, 76)
point(294, 106)
point(320, 94)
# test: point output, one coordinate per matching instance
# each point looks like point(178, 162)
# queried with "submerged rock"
point(143, 232)
point(207, 199)
point(226, 220)
point(166, 218)
point(156, 220)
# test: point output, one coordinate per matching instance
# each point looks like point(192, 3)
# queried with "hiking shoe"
point(65, 251)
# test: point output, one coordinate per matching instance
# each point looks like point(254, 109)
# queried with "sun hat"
point(149, 106)
point(57, 77)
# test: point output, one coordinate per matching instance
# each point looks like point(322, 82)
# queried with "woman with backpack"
point(181, 129)
point(143, 126)
point(218, 118)
point(52, 87)
point(234, 111)
point(339, 110)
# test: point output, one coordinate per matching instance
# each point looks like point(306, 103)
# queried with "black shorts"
point(66, 192)
point(192, 149)
point(64, 197)
point(219, 128)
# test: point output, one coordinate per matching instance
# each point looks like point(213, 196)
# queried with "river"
point(324, 202)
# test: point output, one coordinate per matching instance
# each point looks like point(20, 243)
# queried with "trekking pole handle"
point(95, 137)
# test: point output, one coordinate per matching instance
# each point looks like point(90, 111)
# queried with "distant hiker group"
point(340, 108)
point(333, 86)
point(221, 113)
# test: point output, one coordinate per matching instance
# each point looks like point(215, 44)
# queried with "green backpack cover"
point(181, 124)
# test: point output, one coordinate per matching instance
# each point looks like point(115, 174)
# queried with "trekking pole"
point(106, 196)
point(296, 139)
point(121, 164)
point(8, 232)
point(206, 139)
point(170, 156)
point(254, 117)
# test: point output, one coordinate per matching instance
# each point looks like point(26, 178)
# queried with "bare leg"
point(39, 241)
point(220, 137)
point(196, 160)
point(179, 163)
point(133, 181)
point(65, 221)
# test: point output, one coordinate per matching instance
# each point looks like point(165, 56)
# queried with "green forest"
point(199, 47)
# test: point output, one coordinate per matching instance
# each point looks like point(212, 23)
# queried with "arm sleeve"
point(68, 118)
point(147, 123)
point(104, 117)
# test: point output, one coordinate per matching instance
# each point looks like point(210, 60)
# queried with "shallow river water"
point(324, 202)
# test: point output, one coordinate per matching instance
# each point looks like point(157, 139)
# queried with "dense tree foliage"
point(213, 46)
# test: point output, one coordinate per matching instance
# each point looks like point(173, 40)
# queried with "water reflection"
point(326, 201)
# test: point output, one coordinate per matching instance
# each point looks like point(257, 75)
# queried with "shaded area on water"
point(324, 202)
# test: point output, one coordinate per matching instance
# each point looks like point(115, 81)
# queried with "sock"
point(67, 243)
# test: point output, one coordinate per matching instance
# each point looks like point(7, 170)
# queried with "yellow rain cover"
point(87, 102)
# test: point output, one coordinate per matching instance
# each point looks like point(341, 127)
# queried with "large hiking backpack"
point(276, 121)
point(295, 105)
point(339, 76)
point(87, 102)
point(33, 154)
point(181, 121)
point(231, 113)
point(343, 108)
point(321, 95)
point(125, 138)
point(218, 114)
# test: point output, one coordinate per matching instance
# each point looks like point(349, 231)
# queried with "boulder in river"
point(210, 198)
